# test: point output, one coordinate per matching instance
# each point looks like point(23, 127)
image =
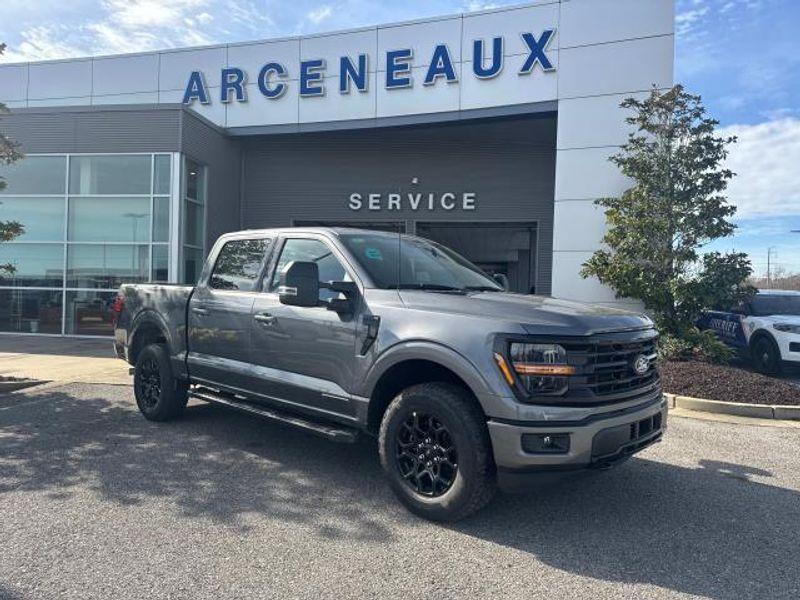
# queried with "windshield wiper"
point(430, 287)
point(481, 288)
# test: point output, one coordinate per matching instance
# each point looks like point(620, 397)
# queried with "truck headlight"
point(542, 369)
point(787, 327)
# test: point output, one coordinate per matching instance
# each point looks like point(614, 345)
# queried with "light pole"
point(769, 271)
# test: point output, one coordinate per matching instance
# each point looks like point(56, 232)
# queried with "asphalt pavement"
point(96, 502)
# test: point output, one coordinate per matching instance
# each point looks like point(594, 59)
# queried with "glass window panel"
point(239, 265)
point(161, 174)
point(89, 313)
point(118, 174)
point(30, 311)
point(43, 218)
point(192, 264)
point(109, 220)
point(35, 175)
point(161, 219)
point(39, 265)
point(160, 262)
point(330, 269)
point(195, 181)
point(193, 230)
point(106, 265)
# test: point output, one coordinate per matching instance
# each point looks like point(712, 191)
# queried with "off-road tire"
point(475, 482)
point(766, 356)
point(169, 398)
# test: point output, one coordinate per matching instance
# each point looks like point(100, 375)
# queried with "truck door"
point(220, 312)
point(304, 356)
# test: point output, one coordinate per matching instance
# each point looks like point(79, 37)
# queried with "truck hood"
point(535, 314)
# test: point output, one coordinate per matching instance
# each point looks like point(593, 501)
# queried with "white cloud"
point(766, 160)
point(475, 5)
point(320, 14)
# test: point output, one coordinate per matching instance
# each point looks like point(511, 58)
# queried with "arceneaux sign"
point(272, 78)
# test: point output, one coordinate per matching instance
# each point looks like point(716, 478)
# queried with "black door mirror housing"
point(299, 284)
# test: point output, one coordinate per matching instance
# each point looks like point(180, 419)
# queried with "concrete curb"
point(739, 409)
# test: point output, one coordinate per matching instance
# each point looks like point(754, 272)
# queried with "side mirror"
point(502, 280)
point(299, 284)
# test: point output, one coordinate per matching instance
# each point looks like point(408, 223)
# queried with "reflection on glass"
point(35, 265)
point(89, 313)
point(35, 175)
point(43, 218)
point(30, 311)
point(106, 265)
point(192, 264)
point(193, 234)
point(161, 219)
point(109, 219)
point(119, 174)
point(161, 178)
point(160, 262)
point(194, 181)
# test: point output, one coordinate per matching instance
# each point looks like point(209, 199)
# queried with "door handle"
point(265, 318)
point(200, 311)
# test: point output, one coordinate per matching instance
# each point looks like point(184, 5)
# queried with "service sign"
point(351, 72)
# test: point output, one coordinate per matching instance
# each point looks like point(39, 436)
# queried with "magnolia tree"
point(9, 153)
point(657, 228)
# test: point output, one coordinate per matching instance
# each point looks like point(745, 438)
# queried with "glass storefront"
point(91, 223)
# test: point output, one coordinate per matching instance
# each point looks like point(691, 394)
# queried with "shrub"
point(694, 344)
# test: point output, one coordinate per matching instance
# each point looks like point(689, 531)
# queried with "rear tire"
point(159, 395)
point(766, 356)
point(435, 450)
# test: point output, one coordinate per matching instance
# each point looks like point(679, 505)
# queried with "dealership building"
point(489, 132)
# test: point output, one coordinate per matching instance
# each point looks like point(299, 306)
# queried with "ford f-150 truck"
point(343, 332)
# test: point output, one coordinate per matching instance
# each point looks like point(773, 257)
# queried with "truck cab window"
point(330, 269)
point(238, 265)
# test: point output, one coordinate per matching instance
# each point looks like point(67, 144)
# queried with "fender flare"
point(150, 317)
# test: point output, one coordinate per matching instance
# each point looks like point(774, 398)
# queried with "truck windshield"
point(413, 263)
point(764, 305)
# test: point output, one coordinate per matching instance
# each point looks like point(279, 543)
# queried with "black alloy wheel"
point(149, 383)
point(426, 455)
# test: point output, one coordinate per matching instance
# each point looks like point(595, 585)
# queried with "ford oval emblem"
point(640, 364)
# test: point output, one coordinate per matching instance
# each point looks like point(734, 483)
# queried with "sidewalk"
point(61, 359)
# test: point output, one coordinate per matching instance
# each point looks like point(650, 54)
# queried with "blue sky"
point(743, 56)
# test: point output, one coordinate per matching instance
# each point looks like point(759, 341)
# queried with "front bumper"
point(598, 440)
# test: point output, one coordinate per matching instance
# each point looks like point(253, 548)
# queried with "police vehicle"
point(766, 327)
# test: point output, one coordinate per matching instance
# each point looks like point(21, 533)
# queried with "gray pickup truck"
point(343, 332)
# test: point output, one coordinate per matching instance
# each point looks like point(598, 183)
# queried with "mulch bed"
point(727, 383)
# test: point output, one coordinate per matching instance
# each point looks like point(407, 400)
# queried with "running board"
point(345, 435)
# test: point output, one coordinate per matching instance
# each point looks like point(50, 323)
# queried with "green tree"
point(9, 153)
point(657, 228)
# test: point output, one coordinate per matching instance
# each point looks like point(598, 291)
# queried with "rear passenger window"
point(238, 265)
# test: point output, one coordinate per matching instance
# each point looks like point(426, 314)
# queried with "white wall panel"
point(259, 110)
point(334, 106)
point(125, 75)
point(580, 224)
point(513, 88)
point(63, 79)
point(593, 121)
point(586, 22)
point(138, 98)
point(511, 24)
point(419, 99)
point(615, 68)
point(587, 174)
point(332, 47)
point(176, 67)
point(251, 57)
point(76, 101)
point(422, 38)
point(214, 112)
point(568, 283)
point(13, 83)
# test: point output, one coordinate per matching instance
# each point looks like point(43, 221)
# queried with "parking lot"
point(96, 502)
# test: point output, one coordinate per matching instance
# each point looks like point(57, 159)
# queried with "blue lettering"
point(311, 83)
point(269, 69)
point(196, 89)
point(348, 72)
point(477, 58)
point(441, 66)
point(537, 54)
point(232, 80)
point(398, 68)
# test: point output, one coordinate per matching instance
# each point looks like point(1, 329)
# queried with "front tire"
point(435, 450)
point(766, 356)
point(159, 395)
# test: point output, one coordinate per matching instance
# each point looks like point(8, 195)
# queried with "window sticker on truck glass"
point(373, 253)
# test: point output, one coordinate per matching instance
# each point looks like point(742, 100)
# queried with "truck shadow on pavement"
point(709, 530)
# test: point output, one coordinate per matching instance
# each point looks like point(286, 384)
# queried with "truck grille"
point(605, 369)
